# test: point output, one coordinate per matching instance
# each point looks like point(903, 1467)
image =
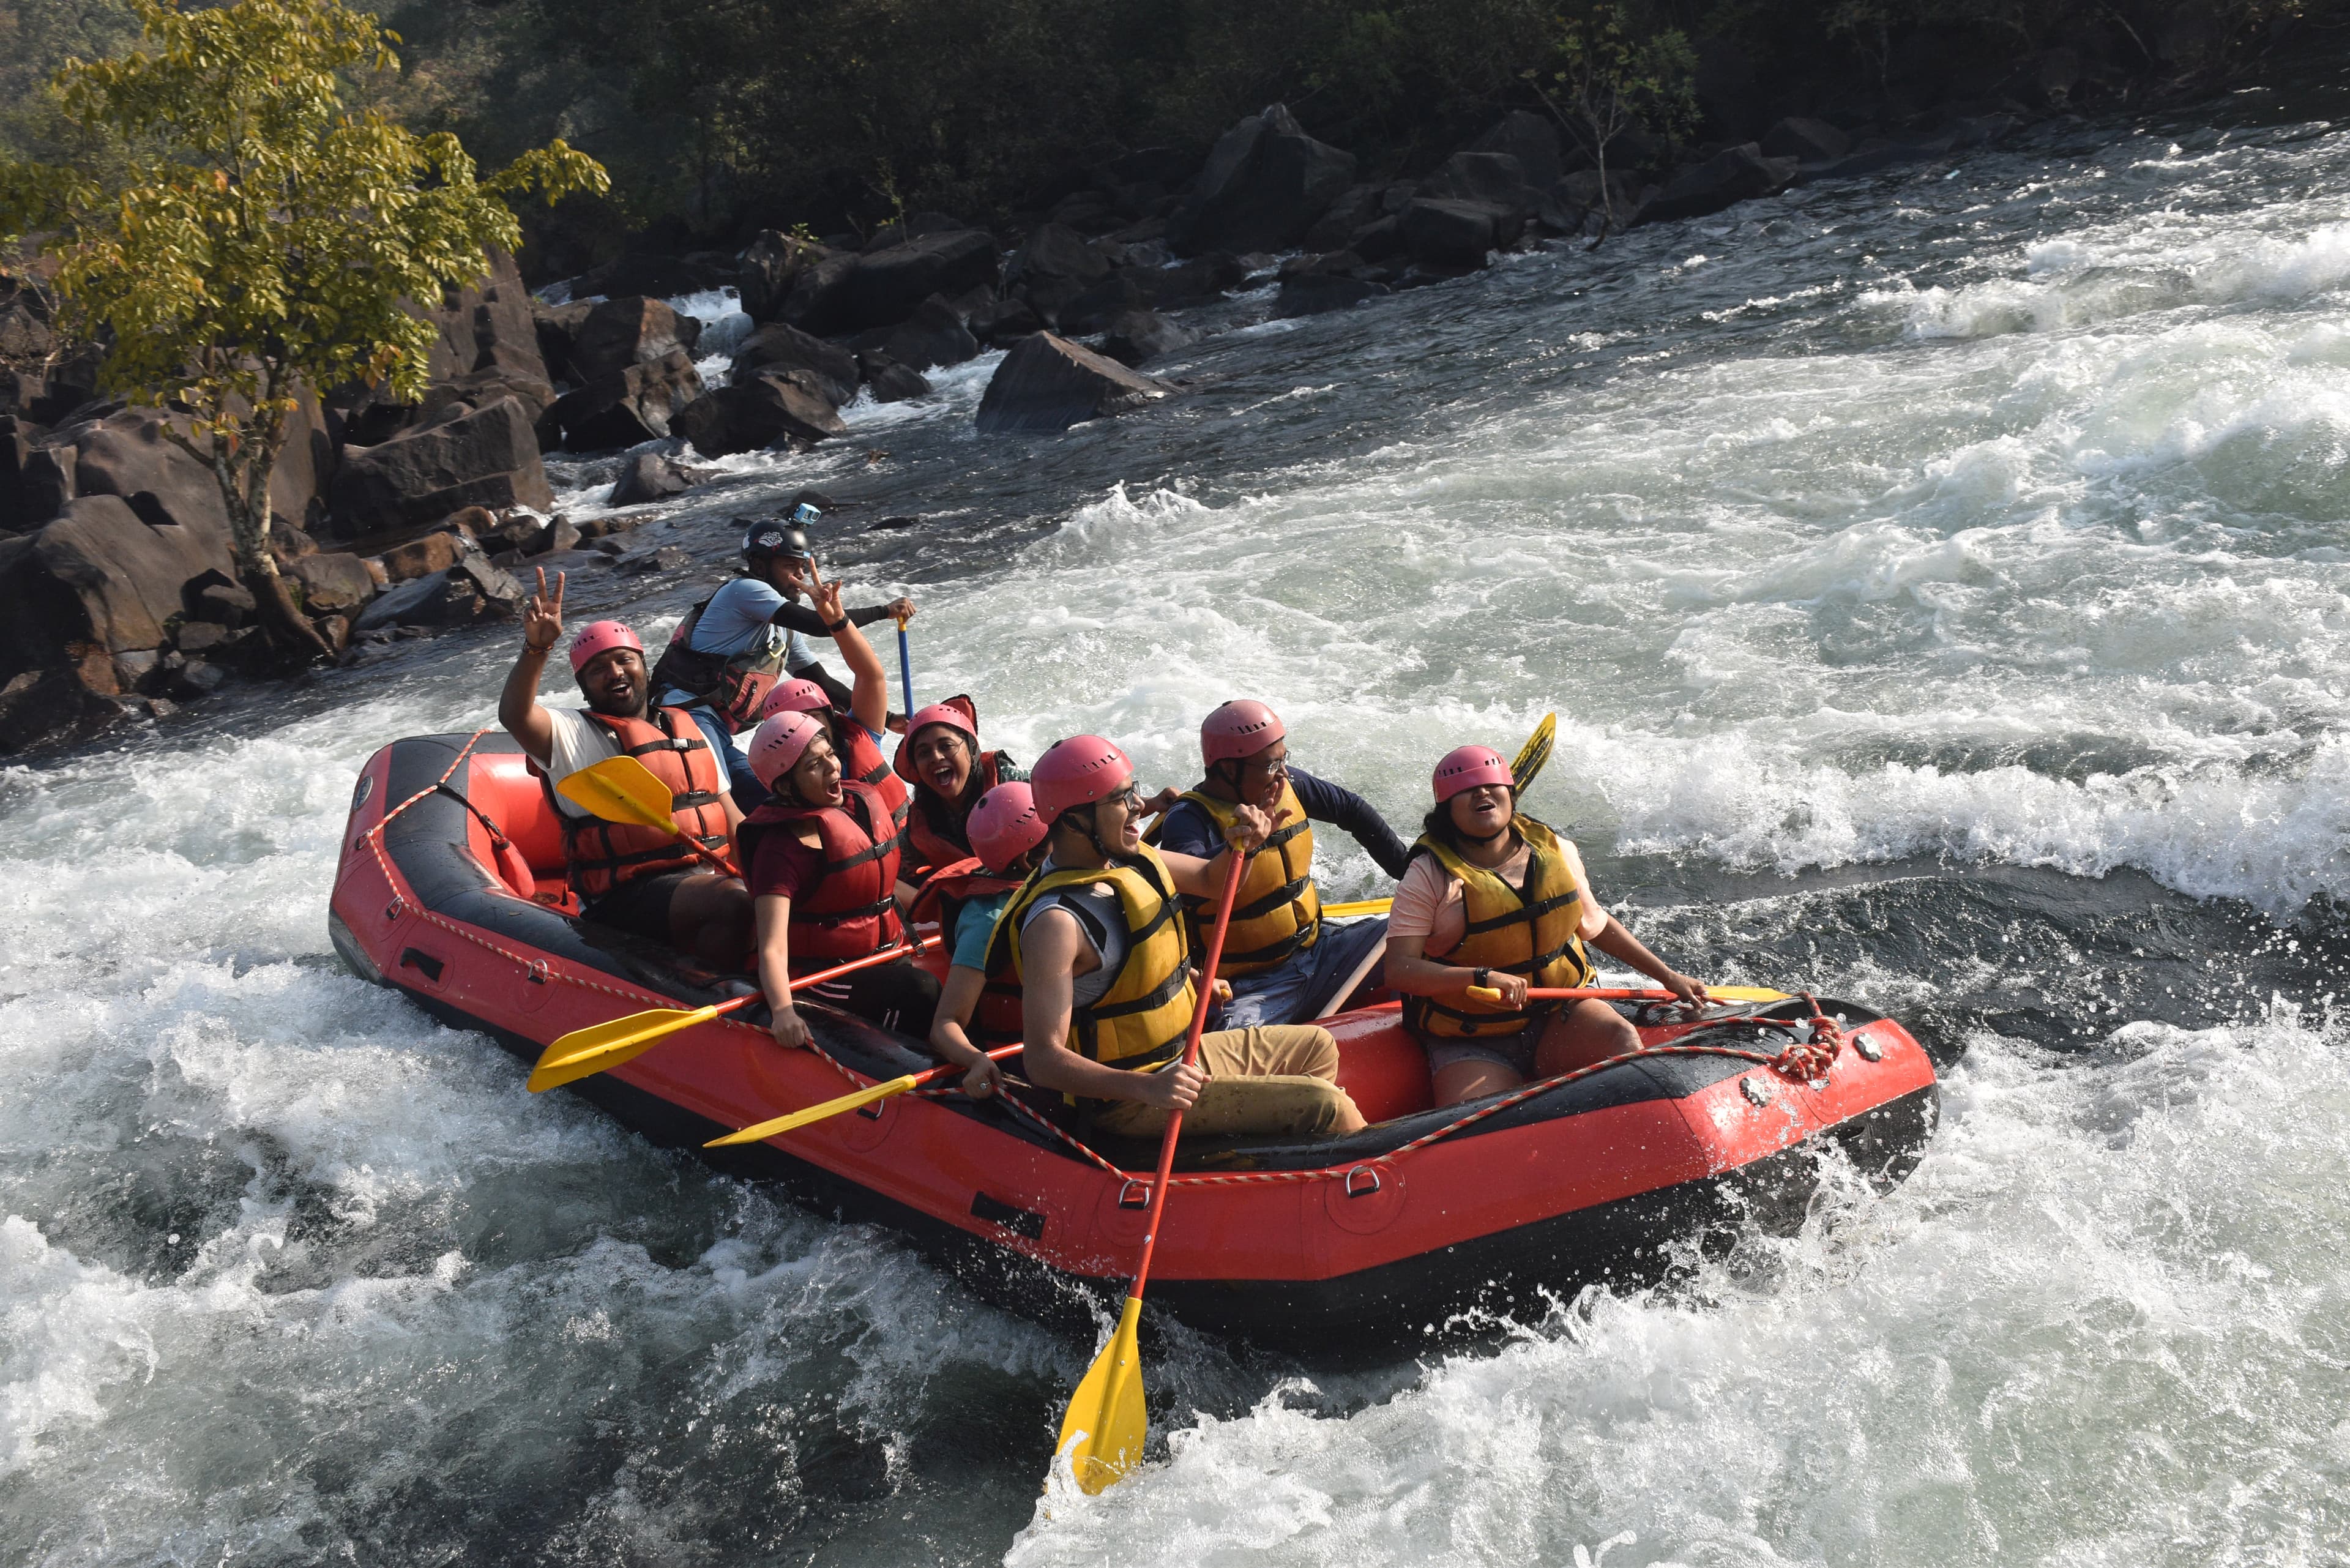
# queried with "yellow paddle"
point(584, 1052)
point(888, 1089)
point(1618, 993)
point(1106, 1425)
point(1530, 760)
point(622, 789)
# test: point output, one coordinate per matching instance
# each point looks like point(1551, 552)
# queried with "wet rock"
point(194, 679)
point(1003, 322)
point(52, 705)
point(633, 330)
point(335, 630)
point(1733, 175)
point(885, 286)
point(557, 328)
point(769, 267)
point(1358, 206)
point(815, 291)
point(1053, 266)
point(421, 558)
point(1456, 234)
point(888, 381)
point(1048, 383)
point(932, 337)
point(561, 534)
point(1494, 179)
point(667, 558)
point(1139, 336)
point(649, 477)
point(781, 347)
point(332, 582)
point(1311, 284)
point(1533, 139)
point(1805, 140)
point(138, 668)
point(767, 410)
point(201, 637)
point(473, 590)
point(1265, 184)
point(628, 406)
point(487, 458)
point(223, 603)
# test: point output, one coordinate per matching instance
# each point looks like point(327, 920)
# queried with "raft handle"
point(1370, 1170)
point(415, 959)
point(1133, 1194)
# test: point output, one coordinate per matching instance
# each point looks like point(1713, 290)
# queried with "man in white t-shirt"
point(635, 878)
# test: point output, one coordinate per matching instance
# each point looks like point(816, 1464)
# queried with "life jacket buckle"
point(1352, 1190)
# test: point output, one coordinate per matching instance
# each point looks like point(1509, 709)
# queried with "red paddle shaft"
point(836, 971)
point(1190, 1053)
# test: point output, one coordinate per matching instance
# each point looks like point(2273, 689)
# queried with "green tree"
point(260, 233)
point(1607, 74)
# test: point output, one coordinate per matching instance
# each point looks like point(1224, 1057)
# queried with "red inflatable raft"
point(451, 889)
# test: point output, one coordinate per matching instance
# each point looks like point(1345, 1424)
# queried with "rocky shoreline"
point(118, 594)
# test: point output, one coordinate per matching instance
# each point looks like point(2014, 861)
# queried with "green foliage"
point(1605, 73)
point(261, 234)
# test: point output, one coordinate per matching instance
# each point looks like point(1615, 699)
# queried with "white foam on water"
point(2104, 1323)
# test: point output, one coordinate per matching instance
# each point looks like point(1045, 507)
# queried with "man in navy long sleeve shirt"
point(1285, 965)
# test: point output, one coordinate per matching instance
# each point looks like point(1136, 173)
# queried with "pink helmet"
point(1240, 728)
point(1466, 767)
point(778, 744)
point(1004, 826)
point(795, 696)
point(958, 713)
point(1078, 771)
point(602, 637)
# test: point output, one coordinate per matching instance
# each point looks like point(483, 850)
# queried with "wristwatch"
point(1482, 978)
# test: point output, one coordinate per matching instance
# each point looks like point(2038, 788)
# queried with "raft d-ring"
point(1866, 1043)
point(1756, 1089)
point(394, 910)
point(1133, 1194)
point(1370, 1170)
point(537, 972)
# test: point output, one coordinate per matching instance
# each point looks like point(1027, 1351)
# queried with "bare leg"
point(710, 918)
point(1587, 1032)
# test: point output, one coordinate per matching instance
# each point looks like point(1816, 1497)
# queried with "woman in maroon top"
point(821, 859)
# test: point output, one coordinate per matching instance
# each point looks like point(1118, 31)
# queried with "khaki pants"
point(1278, 1079)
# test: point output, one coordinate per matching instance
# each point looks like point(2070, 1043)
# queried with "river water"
point(1941, 582)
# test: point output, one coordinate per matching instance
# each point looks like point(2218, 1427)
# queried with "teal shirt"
point(973, 926)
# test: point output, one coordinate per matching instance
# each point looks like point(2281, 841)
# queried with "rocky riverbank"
point(118, 594)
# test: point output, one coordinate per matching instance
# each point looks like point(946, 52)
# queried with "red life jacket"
point(926, 847)
point(603, 855)
point(995, 1021)
point(861, 760)
point(853, 911)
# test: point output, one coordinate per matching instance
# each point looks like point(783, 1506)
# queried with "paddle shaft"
point(905, 671)
point(1575, 994)
point(1238, 868)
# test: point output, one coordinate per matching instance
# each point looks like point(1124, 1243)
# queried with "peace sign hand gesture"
point(542, 618)
point(825, 598)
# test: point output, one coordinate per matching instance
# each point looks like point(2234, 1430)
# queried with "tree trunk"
point(274, 597)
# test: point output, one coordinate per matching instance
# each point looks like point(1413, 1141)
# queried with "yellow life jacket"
point(1532, 933)
point(1139, 1022)
point(1279, 910)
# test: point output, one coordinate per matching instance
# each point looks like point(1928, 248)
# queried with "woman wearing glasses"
point(1495, 900)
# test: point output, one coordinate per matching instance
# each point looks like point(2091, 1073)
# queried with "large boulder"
point(1450, 235)
point(1311, 284)
point(473, 590)
point(1048, 383)
point(932, 337)
point(815, 290)
point(1265, 183)
point(767, 410)
point(486, 457)
point(557, 328)
point(628, 406)
point(1805, 140)
point(1733, 175)
point(128, 454)
point(650, 477)
point(490, 326)
point(1489, 179)
point(769, 267)
point(1144, 335)
point(634, 331)
point(780, 347)
point(1533, 139)
point(1053, 265)
point(122, 577)
point(888, 381)
point(332, 582)
point(885, 285)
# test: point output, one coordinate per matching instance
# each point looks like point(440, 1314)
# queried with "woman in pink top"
point(1495, 900)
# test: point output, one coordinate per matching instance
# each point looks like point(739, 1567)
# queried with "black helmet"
point(766, 540)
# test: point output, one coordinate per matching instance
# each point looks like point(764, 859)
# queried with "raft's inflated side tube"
point(1589, 1182)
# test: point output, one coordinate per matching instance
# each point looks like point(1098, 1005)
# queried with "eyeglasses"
point(1128, 799)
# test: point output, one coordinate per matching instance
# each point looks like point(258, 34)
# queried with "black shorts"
point(640, 907)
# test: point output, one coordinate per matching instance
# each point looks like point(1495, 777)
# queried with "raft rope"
point(1803, 1060)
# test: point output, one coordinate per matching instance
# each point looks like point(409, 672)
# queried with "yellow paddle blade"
point(1104, 1431)
point(1535, 752)
point(1359, 907)
point(584, 1052)
point(622, 789)
point(1744, 993)
point(765, 1130)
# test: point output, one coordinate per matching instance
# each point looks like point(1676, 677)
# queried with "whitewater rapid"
point(1942, 585)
